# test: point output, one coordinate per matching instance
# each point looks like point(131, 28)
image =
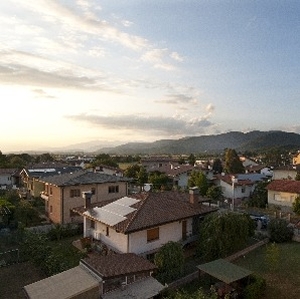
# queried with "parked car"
point(264, 219)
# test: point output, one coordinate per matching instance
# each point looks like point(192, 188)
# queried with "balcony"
point(44, 196)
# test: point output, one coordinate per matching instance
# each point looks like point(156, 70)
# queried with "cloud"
point(40, 93)
point(176, 99)
point(166, 126)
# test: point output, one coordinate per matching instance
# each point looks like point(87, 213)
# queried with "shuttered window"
point(152, 234)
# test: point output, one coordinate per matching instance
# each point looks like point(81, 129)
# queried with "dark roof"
point(224, 271)
point(155, 209)
point(82, 177)
point(8, 171)
point(290, 186)
point(117, 264)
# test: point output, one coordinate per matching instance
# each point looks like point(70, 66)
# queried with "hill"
point(251, 141)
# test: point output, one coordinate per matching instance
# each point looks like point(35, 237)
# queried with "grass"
point(284, 280)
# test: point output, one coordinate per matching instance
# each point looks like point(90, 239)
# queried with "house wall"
point(183, 180)
point(281, 198)
point(136, 242)
point(239, 191)
point(6, 179)
point(279, 174)
point(62, 203)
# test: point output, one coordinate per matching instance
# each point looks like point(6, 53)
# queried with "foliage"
point(259, 197)
point(217, 166)
point(296, 205)
point(192, 159)
point(223, 234)
point(215, 193)
point(297, 177)
point(169, 260)
point(256, 288)
point(198, 179)
point(138, 173)
point(233, 163)
point(272, 256)
point(159, 180)
point(6, 211)
point(59, 231)
point(26, 213)
point(50, 257)
point(280, 231)
point(104, 159)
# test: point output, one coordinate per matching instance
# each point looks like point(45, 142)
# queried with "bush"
point(256, 288)
point(279, 231)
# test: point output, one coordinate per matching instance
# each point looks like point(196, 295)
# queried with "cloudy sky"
point(115, 71)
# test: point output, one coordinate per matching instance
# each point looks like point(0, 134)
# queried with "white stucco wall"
point(281, 198)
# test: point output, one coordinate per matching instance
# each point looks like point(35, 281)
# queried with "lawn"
point(284, 280)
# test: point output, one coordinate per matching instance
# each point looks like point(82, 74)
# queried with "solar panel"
point(115, 212)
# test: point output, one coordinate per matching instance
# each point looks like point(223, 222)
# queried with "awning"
point(224, 271)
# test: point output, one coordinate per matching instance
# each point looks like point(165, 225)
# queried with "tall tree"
point(217, 166)
point(223, 234)
point(198, 179)
point(192, 159)
point(233, 164)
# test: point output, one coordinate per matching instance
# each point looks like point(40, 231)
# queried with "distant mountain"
point(251, 141)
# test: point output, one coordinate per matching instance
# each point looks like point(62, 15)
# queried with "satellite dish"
point(147, 187)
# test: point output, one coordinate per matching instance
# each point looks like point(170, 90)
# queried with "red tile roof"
point(118, 264)
point(289, 186)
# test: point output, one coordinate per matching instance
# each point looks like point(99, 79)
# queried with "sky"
point(118, 71)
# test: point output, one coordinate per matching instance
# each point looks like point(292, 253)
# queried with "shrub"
point(256, 288)
point(279, 231)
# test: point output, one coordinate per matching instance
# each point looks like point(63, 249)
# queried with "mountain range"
point(250, 141)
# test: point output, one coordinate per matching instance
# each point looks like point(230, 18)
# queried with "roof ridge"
point(141, 205)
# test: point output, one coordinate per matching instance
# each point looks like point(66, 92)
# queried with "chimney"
point(87, 196)
point(194, 196)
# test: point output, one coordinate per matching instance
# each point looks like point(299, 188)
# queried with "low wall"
point(195, 275)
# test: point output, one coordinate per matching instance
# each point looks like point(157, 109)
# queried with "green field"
point(284, 280)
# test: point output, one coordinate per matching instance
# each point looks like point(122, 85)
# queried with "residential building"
point(63, 192)
point(283, 192)
point(296, 159)
point(31, 176)
point(239, 186)
point(285, 172)
point(8, 177)
point(106, 277)
point(142, 223)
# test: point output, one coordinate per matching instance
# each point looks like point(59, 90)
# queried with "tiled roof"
point(82, 177)
point(8, 171)
point(289, 186)
point(117, 264)
point(158, 208)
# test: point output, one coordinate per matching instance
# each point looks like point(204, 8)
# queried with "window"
point(51, 209)
point(107, 231)
point(243, 189)
point(50, 190)
point(113, 189)
point(92, 224)
point(93, 190)
point(152, 234)
point(75, 193)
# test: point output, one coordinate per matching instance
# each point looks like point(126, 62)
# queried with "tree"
point(104, 159)
point(169, 260)
point(198, 179)
point(233, 163)
point(192, 159)
point(159, 180)
point(215, 193)
point(259, 197)
point(224, 234)
point(279, 231)
point(296, 205)
point(217, 166)
point(198, 294)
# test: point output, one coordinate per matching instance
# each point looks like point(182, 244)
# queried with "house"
point(31, 175)
point(158, 163)
point(8, 177)
point(239, 186)
point(283, 192)
point(107, 277)
point(63, 192)
point(285, 172)
point(109, 170)
point(296, 159)
point(142, 223)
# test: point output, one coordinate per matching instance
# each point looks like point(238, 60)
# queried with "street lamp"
point(234, 180)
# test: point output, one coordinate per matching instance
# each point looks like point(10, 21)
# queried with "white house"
point(8, 177)
point(283, 192)
point(142, 223)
